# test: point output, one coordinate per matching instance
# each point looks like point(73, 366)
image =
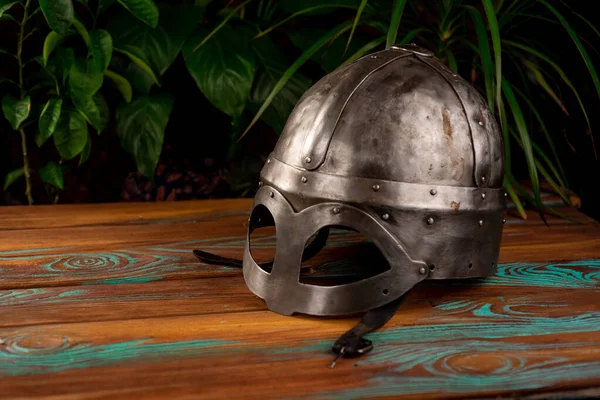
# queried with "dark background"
point(198, 162)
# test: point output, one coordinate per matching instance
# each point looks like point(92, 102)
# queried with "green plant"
point(478, 39)
point(57, 93)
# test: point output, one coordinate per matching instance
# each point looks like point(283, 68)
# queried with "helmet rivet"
point(480, 222)
point(422, 270)
point(260, 184)
point(385, 216)
point(503, 221)
point(336, 210)
point(483, 195)
point(375, 187)
point(268, 160)
point(307, 160)
point(304, 179)
point(373, 57)
point(480, 123)
point(433, 192)
point(430, 220)
point(505, 194)
point(483, 179)
point(271, 195)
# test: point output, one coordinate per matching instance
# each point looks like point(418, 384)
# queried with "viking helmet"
point(398, 147)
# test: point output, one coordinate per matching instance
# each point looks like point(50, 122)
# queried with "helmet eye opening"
point(262, 237)
point(348, 256)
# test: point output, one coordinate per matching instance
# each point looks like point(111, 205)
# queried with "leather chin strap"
point(350, 344)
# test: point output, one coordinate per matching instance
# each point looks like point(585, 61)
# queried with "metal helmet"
point(398, 147)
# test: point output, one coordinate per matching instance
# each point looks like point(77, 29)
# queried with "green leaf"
point(223, 68)
point(363, 3)
point(52, 174)
point(586, 58)
point(88, 108)
point(12, 176)
point(16, 111)
point(121, 84)
point(218, 27)
point(365, 49)
point(335, 32)
point(525, 142)
point(70, 134)
point(101, 46)
point(62, 64)
point(271, 69)
point(497, 44)
point(141, 64)
point(87, 150)
point(144, 10)
point(83, 32)
point(484, 53)
point(156, 47)
point(514, 197)
point(137, 77)
point(316, 7)
point(141, 127)
point(557, 68)
point(48, 119)
point(50, 43)
point(85, 78)
point(539, 77)
point(397, 11)
point(58, 13)
point(5, 5)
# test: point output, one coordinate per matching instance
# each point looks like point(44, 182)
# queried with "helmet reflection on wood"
point(399, 148)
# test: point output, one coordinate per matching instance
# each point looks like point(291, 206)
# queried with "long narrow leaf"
point(561, 177)
point(586, 58)
point(497, 44)
point(298, 13)
point(395, 22)
point(506, 139)
point(539, 77)
point(307, 54)
point(514, 197)
point(227, 18)
point(557, 68)
point(361, 7)
point(526, 142)
point(365, 49)
point(451, 61)
point(484, 53)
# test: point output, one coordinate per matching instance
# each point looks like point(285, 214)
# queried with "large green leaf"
point(16, 111)
point(52, 40)
point(141, 127)
point(271, 69)
point(88, 109)
point(223, 68)
point(101, 47)
point(82, 30)
point(5, 5)
point(70, 134)
point(12, 176)
point(121, 84)
point(48, 119)
point(156, 47)
point(141, 64)
point(58, 13)
point(52, 173)
point(144, 10)
point(138, 78)
point(85, 79)
point(221, 24)
point(61, 64)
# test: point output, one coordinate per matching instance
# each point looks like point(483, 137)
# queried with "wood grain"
point(96, 302)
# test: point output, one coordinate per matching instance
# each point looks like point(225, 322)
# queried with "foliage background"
point(209, 97)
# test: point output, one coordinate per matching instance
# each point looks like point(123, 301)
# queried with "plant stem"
point(26, 167)
point(22, 37)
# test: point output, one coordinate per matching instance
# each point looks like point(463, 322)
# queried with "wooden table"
point(108, 301)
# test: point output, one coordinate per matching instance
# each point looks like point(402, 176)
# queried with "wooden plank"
point(135, 253)
point(106, 214)
point(520, 341)
point(107, 302)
